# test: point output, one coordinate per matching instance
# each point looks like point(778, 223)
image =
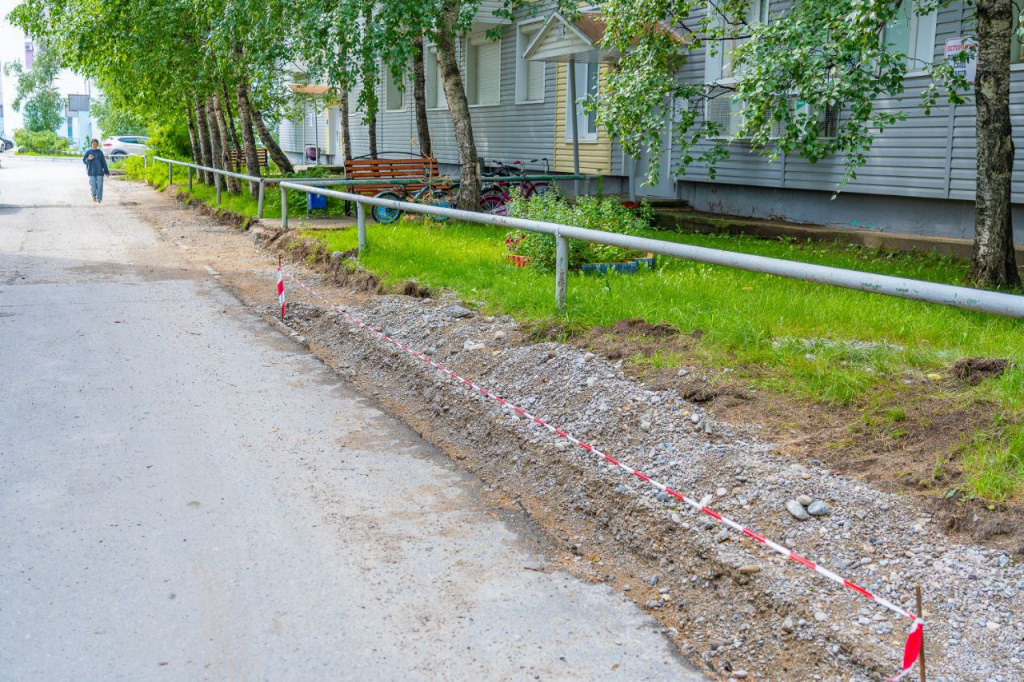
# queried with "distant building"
point(30, 53)
point(79, 121)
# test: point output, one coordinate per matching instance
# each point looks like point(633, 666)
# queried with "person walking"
point(96, 165)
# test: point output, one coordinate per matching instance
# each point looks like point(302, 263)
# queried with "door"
point(666, 185)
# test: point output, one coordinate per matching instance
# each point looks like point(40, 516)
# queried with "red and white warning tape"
point(912, 648)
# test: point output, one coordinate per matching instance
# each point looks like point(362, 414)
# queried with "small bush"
point(45, 141)
point(605, 214)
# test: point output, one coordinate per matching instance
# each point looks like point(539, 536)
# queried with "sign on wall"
point(963, 67)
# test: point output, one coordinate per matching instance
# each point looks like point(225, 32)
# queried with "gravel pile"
point(741, 609)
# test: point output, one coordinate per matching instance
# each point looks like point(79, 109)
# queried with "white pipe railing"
point(1008, 305)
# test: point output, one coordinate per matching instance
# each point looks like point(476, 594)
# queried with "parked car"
point(5, 144)
point(120, 146)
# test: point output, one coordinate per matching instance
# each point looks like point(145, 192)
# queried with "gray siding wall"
point(925, 156)
point(506, 131)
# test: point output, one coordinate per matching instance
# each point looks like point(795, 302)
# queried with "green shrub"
point(605, 214)
point(45, 141)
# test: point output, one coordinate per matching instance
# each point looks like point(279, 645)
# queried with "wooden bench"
point(388, 169)
point(237, 158)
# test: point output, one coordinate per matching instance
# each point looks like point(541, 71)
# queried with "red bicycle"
point(496, 196)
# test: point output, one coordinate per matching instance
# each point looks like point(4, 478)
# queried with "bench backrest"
point(237, 157)
point(388, 169)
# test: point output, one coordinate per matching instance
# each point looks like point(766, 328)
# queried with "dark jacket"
point(98, 165)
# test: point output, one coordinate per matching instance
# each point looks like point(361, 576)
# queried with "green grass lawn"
point(780, 334)
point(156, 175)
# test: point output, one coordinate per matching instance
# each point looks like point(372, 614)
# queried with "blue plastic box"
point(316, 201)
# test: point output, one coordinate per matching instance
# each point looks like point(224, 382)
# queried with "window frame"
point(761, 9)
point(522, 65)
point(472, 42)
point(403, 92)
point(440, 99)
point(585, 136)
point(916, 62)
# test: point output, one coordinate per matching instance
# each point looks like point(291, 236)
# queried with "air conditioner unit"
point(827, 117)
point(726, 111)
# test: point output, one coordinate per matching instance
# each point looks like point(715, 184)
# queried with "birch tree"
point(826, 55)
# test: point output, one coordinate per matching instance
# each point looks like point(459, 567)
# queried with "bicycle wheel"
point(442, 199)
point(494, 204)
point(383, 214)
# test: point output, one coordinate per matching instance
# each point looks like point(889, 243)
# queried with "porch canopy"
point(562, 40)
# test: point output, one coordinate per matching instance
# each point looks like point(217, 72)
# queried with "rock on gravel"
point(797, 510)
point(458, 311)
point(805, 500)
point(818, 508)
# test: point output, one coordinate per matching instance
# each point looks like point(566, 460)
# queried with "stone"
point(587, 357)
point(721, 492)
point(818, 508)
point(653, 581)
point(664, 497)
point(788, 625)
point(804, 500)
point(749, 569)
point(458, 311)
point(797, 510)
point(739, 674)
point(473, 345)
point(500, 334)
point(722, 537)
point(695, 418)
point(645, 425)
point(820, 616)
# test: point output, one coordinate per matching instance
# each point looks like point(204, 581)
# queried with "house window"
point(394, 92)
point(529, 73)
point(432, 80)
point(483, 71)
point(722, 66)
point(587, 77)
point(913, 35)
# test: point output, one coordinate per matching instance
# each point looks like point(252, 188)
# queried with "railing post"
point(190, 179)
point(361, 225)
point(170, 173)
point(145, 162)
point(284, 208)
point(218, 181)
point(259, 200)
point(561, 271)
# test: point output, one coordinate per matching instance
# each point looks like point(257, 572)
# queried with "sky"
point(12, 47)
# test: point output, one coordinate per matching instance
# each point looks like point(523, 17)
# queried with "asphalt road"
point(185, 493)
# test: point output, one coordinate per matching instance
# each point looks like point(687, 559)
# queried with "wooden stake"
point(920, 614)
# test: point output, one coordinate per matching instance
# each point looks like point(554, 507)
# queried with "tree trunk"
point(455, 91)
point(371, 130)
point(203, 128)
point(232, 130)
point(346, 132)
point(216, 150)
point(419, 96)
point(252, 159)
point(193, 135)
point(225, 142)
point(279, 157)
point(993, 263)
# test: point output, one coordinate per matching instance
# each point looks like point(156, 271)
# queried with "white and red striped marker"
point(912, 648)
point(280, 289)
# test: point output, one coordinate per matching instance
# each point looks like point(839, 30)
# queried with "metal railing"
point(1008, 305)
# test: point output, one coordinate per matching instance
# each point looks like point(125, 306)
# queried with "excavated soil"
point(737, 609)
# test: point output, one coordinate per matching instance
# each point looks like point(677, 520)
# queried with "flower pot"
point(517, 260)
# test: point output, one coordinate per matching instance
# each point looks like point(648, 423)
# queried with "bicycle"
point(496, 196)
point(429, 194)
